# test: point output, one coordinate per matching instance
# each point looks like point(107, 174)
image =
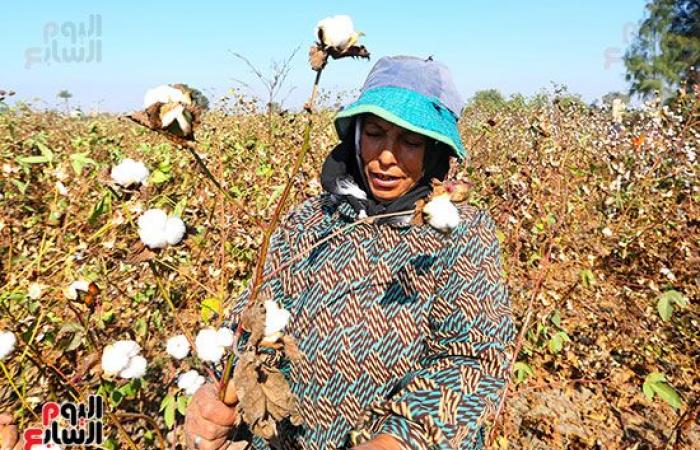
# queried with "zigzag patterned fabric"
point(404, 330)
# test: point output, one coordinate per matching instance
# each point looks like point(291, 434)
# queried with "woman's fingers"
point(9, 437)
point(212, 409)
point(6, 419)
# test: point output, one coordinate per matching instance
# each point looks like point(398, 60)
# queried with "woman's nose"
point(388, 154)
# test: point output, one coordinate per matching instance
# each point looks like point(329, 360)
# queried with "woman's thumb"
point(230, 396)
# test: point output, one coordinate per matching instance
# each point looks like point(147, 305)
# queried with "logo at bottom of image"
point(67, 424)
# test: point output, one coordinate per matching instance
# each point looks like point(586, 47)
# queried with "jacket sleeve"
point(463, 373)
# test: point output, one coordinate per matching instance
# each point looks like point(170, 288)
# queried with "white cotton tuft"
point(442, 213)
point(348, 187)
point(174, 230)
point(208, 345)
point(7, 344)
point(164, 94)
point(338, 31)
point(178, 346)
point(190, 381)
point(71, 292)
point(276, 319)
point(225, 337)
point(136, 368)
point(122, 358)
point(129, 172)
point(157, 230)
point(35, 291)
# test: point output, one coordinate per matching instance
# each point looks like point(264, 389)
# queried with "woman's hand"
point(381, 442)
point(209, 421)
point(9, 436)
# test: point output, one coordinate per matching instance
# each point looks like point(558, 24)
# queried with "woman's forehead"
point(376, 120)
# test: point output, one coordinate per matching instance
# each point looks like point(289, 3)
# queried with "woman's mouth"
point(384, 181)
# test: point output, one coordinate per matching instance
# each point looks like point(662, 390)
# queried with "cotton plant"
point(129, 172)
point(158, 230)
point(172, 108)
point(190, 381)
point(8, 341)
point(178, 346)
point(123, 359)
point(211, 344)
point(337, 38)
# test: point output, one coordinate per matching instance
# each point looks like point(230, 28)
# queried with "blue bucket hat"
point(413, 93)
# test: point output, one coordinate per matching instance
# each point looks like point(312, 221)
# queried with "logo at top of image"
point(68, 42)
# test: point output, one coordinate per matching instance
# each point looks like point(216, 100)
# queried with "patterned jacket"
point(404, 330)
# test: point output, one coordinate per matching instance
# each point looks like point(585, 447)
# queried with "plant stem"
point(260, 265)
point(17, 392)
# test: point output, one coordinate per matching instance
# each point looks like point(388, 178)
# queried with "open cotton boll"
point(276, 319)
point(157, 230)
point(152, 228)
point(348, 187)
point(122, 358)
point(7, 344)
point(164, 94)
point(336, 31)
point(190, 381)
point(136, 368)
point(174, 230)
point(208, 345)
point(178, 347)
point(173, 112)
point(442, 213)
point(71, 292)
point(129, 172)
point(225, 337)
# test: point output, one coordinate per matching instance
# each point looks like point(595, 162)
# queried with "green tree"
point(65, 96)
point(487, 98)
point(610, 96)
point(665, 53)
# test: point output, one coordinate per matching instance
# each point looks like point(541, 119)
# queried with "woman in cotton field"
point(404, 328)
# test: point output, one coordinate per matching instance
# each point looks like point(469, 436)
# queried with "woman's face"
point(392, 157)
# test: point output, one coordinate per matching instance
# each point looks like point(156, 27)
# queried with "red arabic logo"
point(83, 424)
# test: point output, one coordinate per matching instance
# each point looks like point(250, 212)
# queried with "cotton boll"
point(152, 228)
point(190, 381)
point(174, 230)
point(442, 213)
point(136, 368)
point(113, 360)
point(348, 187)
point(175, 112)
point(225, 337)
point(122, 357)
point(276, 319)
point(157, 230)
point(336, 31)
point(208, 346)
point(178, 347)
point(165, 94)
point(35, 291)
point(129, 172)
point(7, 344)
point(71, 292)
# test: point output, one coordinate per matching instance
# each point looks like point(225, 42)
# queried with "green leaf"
point(182, 402)
point(210, 307)
point(522, 371)
point(169, 415)
point(276, 192)
point(141, 327)
point(79, 160)
point(556, 318)
point(168, 399)
point(34, 160)
point(556, 343)
point(665, 308)
point(103, 206)
point(587, 278)
point(159, 177)
point(667, 394)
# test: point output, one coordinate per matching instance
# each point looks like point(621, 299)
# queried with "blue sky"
point(514, 46)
